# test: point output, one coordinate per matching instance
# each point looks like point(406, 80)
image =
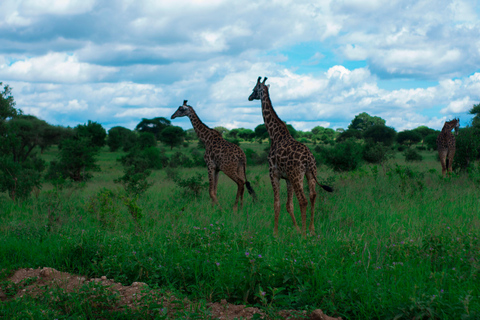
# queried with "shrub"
point(412, 155)
point(467, 148)
point(197, 158)
point(344, 156)
point(377, 153)
point(192, 185)
point(179, 159)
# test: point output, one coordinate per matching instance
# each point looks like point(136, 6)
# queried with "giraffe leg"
point(276, 198)
point(313, 196)
point(290, 204)
point(451, 154)
point(442, 154)
point(213, 180)
point(302, 201)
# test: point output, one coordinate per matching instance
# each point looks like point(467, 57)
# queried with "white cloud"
point(459, 106)
point(54, 67)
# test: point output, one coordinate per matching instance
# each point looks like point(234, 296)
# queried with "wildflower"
point(246, 254)
point(134, 252)
point(441, 291)
point(263, 293)
point(259, 255)
point(217, 263)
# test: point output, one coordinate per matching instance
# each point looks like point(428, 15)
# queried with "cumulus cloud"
point(116, 62)
point(54, 67)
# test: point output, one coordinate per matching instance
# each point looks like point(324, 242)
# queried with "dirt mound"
point(38, 281)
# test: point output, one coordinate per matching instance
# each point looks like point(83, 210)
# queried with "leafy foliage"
point(344, 156)
point(118, 137)
point(363, 121)
point(412, 155)
point(467, 144)
point(380, 133)
point(408, 137)
point(155, 126)
point(172, 136)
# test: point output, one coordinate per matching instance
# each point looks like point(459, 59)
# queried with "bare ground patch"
point(34, 282)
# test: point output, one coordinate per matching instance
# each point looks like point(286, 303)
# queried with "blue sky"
point(410, 62)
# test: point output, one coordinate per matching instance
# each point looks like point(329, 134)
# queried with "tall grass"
point(403, 245)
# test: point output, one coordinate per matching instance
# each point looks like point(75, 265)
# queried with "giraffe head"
point(453, 124)
point(257, 90)
point(182, 111)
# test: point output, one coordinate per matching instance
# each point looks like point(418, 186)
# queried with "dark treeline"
point(24, 137)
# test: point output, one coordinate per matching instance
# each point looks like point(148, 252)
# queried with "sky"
point(411, 63)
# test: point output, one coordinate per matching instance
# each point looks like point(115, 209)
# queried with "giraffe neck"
point(275, 126)
point(202, 130)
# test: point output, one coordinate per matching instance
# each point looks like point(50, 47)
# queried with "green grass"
point(402, 245)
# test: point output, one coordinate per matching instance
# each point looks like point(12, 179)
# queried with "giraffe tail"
point(324, 187)
point(251, 191)
point(248, 185)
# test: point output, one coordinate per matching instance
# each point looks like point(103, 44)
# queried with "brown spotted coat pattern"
point(446, 145)
point(288, 159)
point(220, 155)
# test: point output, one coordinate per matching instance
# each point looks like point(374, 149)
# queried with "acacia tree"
point(155, 126)
point(363, 121)
point(172, 136)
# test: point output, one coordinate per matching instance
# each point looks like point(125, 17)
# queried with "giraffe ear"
point(268, 86)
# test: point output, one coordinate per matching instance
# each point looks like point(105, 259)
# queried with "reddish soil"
point(131, 295)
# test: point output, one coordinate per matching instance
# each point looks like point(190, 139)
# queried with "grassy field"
point(400, 245)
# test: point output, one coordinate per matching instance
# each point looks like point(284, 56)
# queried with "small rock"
point(103, 278)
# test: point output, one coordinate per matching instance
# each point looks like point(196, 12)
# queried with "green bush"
point(412, 155)
point(467, 148)
point(377, 152)
point(179, 159)
point(344, 156)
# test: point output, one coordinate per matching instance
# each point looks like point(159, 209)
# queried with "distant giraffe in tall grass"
point(220, 155)
point(446, 145)
point(288, 159)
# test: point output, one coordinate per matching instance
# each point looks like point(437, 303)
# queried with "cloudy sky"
point(410, 62)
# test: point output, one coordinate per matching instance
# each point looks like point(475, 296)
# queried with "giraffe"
point(220, 155)
point(446, 145)
point(288, 159)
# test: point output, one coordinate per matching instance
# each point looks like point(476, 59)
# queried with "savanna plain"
point(392, 242)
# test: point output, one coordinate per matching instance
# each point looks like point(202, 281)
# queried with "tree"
point(476, 115)
point(172, 136)
point(92, 131)
point(117, 137)
point(318, 130)
point(155, 125)
point(223, 131)
point(408, 137)
point(467, 147)
point(261, 132)
point(146, 140)
point(431, 141)
point(246, 134)
point(20, 169)
point(349, 134)
point(344, 156)
point(363, 121)
point(233, 133)
point(424, 131)
point(77, 158)
point(380, 133)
